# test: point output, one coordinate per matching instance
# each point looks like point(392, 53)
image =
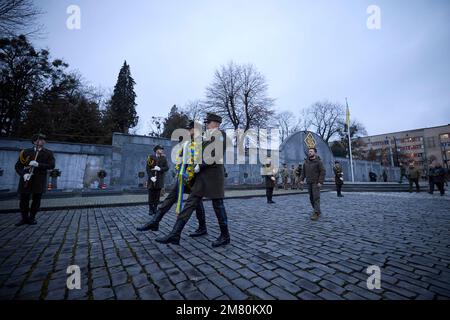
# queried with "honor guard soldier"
point(156, 168)
point(209, 182)
point(185, 178)
point(338, 177)
point(32, 167)
point(269, 175)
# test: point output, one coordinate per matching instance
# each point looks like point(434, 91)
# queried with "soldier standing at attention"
point(338, 177)
point(292, 175)
point(413, 176)
point(285, 175)
point(156, 168)
point(209, 182)
point(298, 173)
point(269, 179)
point(314, 172)
point(32, 167)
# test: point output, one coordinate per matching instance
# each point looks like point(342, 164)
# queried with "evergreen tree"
point(122, 106)
point(175, 120)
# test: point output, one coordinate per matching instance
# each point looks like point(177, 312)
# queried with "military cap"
point(158, 147)
point(213, 117)
point(38, 136)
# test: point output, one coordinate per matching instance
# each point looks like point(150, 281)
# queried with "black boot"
point(174, 236)
point(153, 224)
point(32, 220)
point(23, 220)
point(222, 240)
point(221, 215)
point(151, 209)
point(201, 231)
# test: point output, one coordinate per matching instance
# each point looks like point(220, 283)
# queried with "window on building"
point(431, 143)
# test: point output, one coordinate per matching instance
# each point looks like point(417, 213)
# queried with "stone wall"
point(79, 163)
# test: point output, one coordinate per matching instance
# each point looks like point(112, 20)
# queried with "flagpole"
point(349, 140)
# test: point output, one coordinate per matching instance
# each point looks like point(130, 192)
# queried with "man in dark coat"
point(438, 175)
point(156, 168)
point(338, 177)
point(314, 172)
point(32, 167)
point(173, 196)
point(268, 174)
point(209, 182)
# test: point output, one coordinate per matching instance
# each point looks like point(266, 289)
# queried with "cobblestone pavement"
point(277, 252)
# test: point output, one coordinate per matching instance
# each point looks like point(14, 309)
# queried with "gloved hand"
point(34, 163)
point(272, 178)
point(156, 168)
point(26, 177)
point(153, 179)
point(197, 168)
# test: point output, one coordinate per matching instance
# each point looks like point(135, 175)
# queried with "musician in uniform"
point(156, 168)
point(269, 175)
point(338, 177)
point(32, 167)
point(209, 182)
point(185, 178)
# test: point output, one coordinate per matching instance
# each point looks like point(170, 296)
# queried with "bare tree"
point(19, 17)
point(239, 95)
point(156, 125)
point(287, 124)
point(256, 105)
point(325, 118)
point(194, 110)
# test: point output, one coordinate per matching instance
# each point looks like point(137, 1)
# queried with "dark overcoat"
point(161, 162)
point(209, 182)
point(38, 180)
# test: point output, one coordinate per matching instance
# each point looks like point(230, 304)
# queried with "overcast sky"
point(396, 78)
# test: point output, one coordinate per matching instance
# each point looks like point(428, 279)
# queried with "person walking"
point(314, 172)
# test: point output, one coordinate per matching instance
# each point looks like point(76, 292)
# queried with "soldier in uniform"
point(209, 182)
point(298, 173)
point(413, 176)
point(32, 167)
point(292, 176)
point(314, 172)
point(156, 168)
point(184, 172)
point(285, 176)
point(338, 177)
point(269, 180)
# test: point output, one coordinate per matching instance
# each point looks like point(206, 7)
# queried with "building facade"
point(419, 146)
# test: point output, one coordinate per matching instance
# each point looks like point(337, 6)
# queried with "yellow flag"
point(347, 121)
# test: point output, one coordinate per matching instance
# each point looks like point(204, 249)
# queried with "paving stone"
point(272, 255)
